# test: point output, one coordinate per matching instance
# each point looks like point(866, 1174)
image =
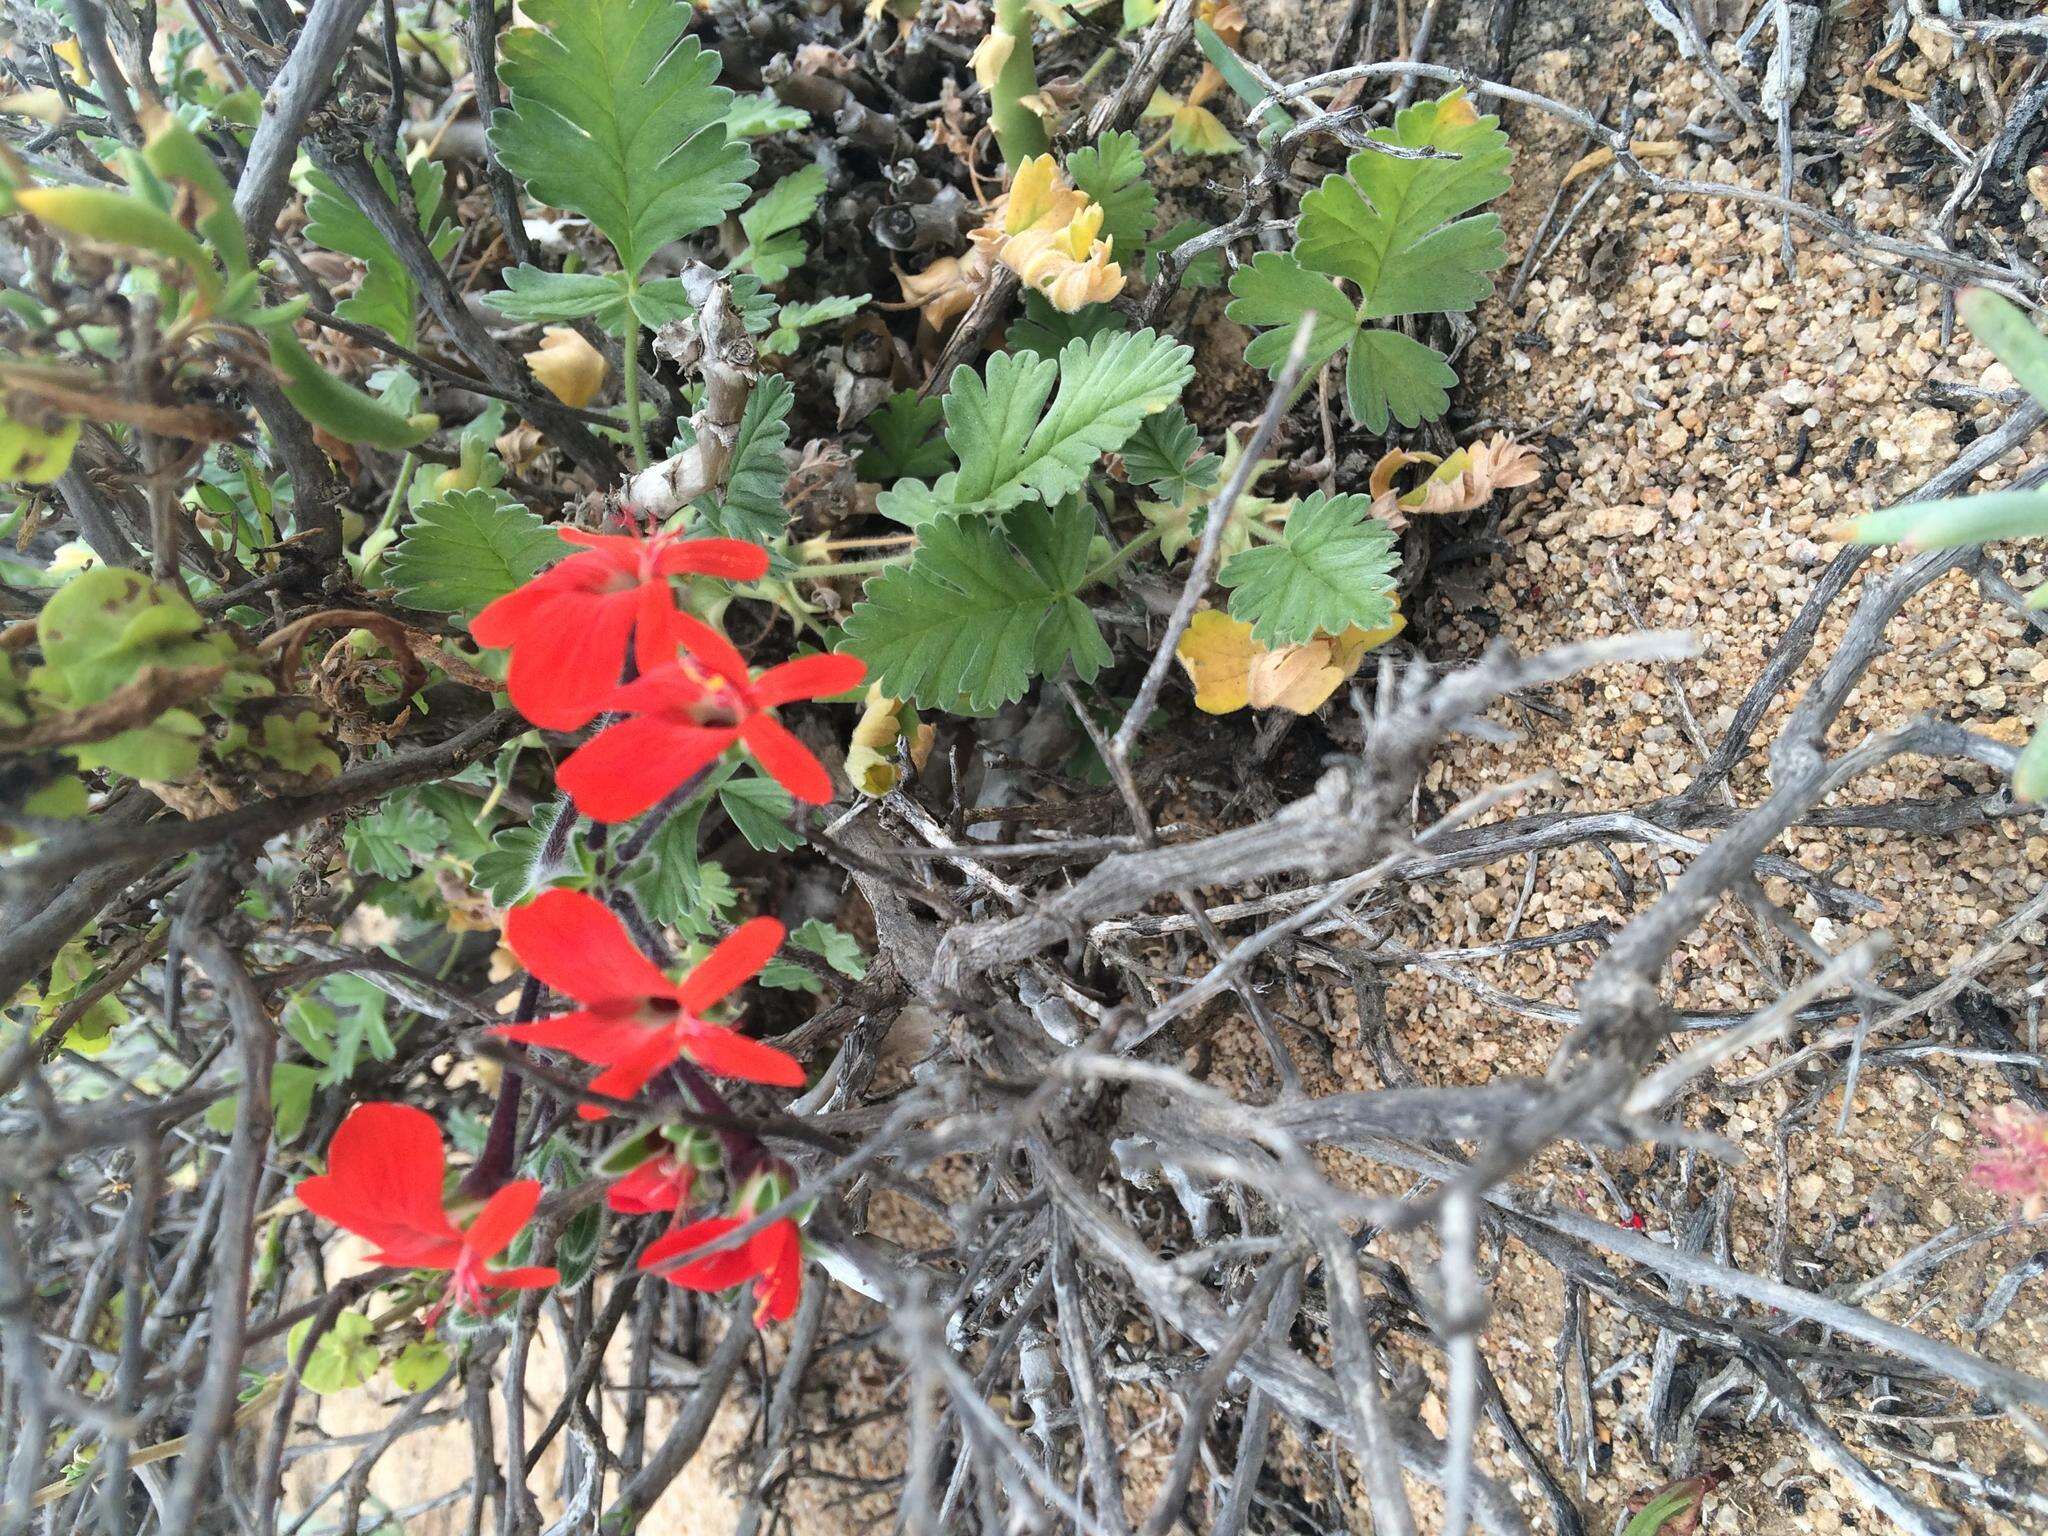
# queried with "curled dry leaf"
point(570, 368)
point(1231, 670)
point(1460, 483)
point(1049, 233)
point(947, 288)
point(871, 751)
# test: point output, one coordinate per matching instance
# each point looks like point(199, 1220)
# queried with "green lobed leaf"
point(1166, 455)
point(761, 810)
point(792, 320)
point(1385, 222)
point(387, 298)
point(513, 869)
point(838, 949)
point(614, 115)
point(1276, 290)
point(906, 442)
point(391, 840)
point(1108, 385)
point(1332, 567)
point(1112, 172)
point(1388, 374)
point(467, 549)
point(774, 249)
point(419, 1365)
point(751, 505)
point(967, 624)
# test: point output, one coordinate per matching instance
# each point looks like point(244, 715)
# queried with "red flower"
point(383, 1182)
point(773, 1258)
point(568, 627)
point(634, 1021)
point(684, 713)
point(662, 1183)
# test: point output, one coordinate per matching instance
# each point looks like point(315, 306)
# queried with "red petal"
point(619, 551)
point(808, 677)
point(383, 1183)
point(501, 1218)
point(533, 1277)
point(625, 1078)
point(627, 768)
point(732, 1054)
point(569, 656)
point(663, 689)
point(598, 1038)
point(788, 761)
point(730, 559)
point(711, 648)
point(778, 1252)
point(713, 1272)
point(656, 1185)
point(737, 960)
point(574, 943)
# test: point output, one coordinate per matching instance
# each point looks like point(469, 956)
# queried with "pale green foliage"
point(344, 1356)
point(1331, 567)
point(467, 549)
point(1398, 231)
point(774, 248)
point(1166, 455)
point(983, 609)
point(614, 115)
point(386, 298)
point(839, 951)
point(1012, 447)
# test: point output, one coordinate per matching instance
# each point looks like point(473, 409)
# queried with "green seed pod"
point(114, 218)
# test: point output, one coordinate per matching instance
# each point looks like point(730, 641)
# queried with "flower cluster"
point(603, 633)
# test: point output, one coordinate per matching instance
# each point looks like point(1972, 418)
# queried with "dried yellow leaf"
point(946, 288)
point(1049, 234)
point(991, 54)
point(1461, 483)
point(871, 752)
point(570, 368)
point(1230, 670)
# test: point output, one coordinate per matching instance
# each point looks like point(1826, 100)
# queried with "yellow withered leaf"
point(1049, 233)
point(1463, 482)
point(991, 54)
point(570, 368)
point(1231, 670)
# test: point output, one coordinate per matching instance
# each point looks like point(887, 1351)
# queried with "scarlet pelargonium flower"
point(385, 1168)
point(773, 1258)
point(683, 714)
point(2014, 1158)
point(634, 1021)
point(662, 1183)
point(569, 627)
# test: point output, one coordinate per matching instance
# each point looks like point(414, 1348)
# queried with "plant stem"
point(1020, 132)
point(1137, 546)
point(407, 468)
point(635, 431)
point(856, 567)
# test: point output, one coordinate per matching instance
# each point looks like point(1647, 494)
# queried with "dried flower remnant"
point(2013, 1161)
point(1049, 233)
point(570, 368)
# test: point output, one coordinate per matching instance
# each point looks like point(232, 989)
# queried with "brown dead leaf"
point(1462, 482)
